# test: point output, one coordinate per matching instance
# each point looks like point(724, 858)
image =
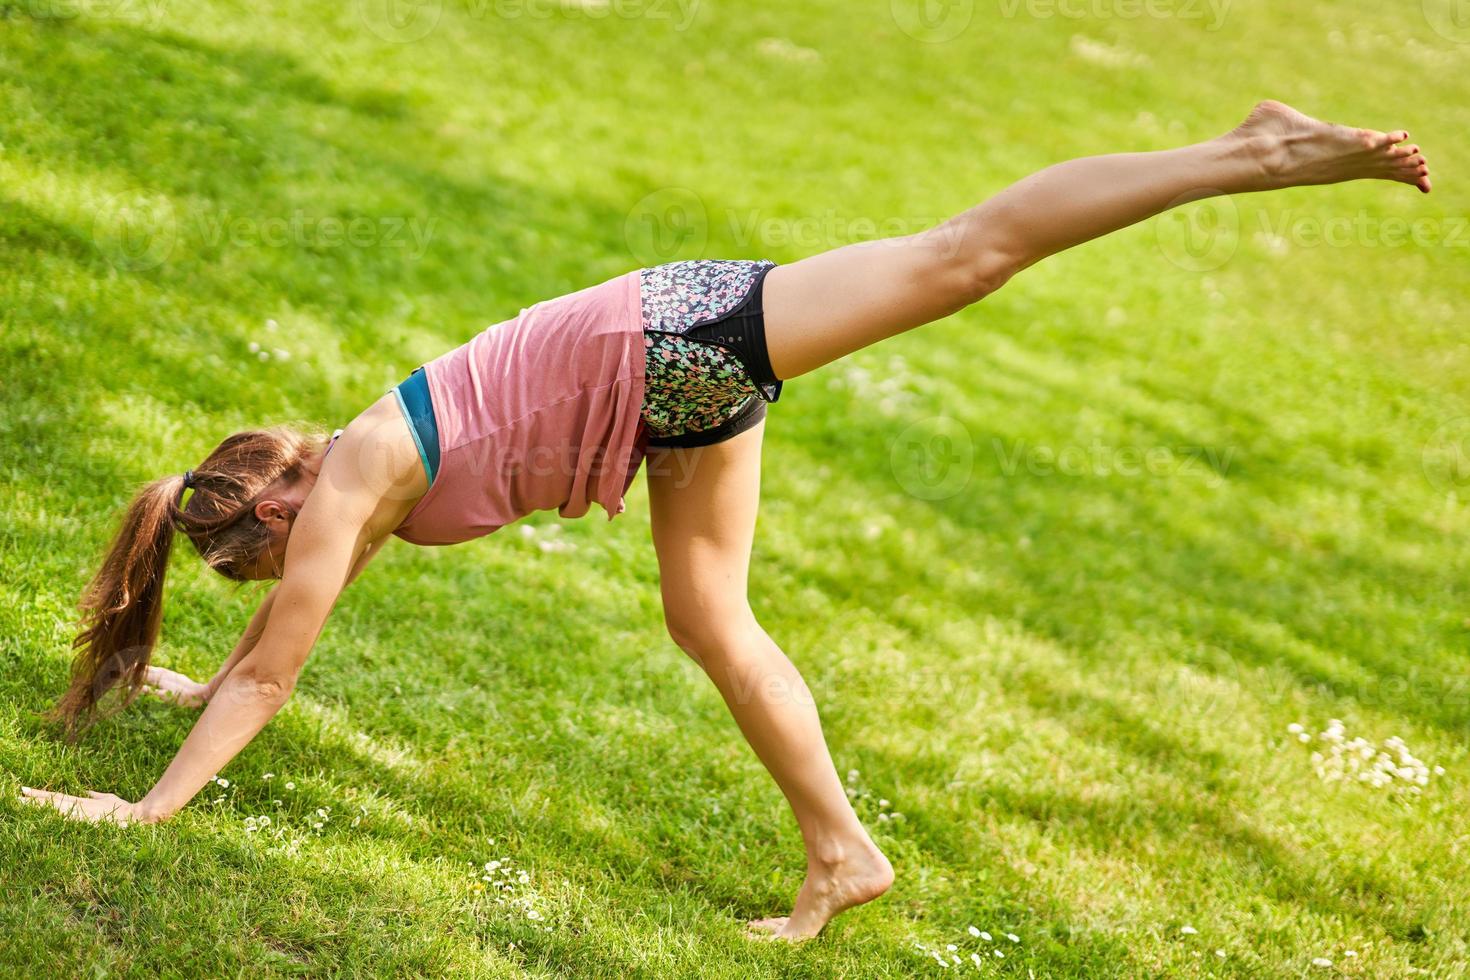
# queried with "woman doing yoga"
point(558, 407)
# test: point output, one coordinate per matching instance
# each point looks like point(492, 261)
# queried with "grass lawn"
point(1061, 570)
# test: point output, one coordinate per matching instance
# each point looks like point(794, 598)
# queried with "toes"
point(766, 928)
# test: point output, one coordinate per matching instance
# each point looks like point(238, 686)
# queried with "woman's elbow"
point(258, 687)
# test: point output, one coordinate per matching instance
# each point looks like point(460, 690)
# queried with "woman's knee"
point(708, 632)
point(968, 263)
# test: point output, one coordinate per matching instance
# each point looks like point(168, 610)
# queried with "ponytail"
point(122, 607)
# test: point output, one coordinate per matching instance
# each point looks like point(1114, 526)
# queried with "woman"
point(558, 407)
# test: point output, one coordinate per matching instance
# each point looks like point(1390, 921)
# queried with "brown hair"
point(123, 605)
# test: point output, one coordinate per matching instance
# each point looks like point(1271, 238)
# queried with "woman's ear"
point(273, 514)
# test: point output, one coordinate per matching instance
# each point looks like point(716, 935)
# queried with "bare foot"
point(1296, 149)
point(860, 875)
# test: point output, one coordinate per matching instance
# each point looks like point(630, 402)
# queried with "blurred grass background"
point(1073, 682)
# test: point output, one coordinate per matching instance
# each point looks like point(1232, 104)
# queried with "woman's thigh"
point(703, 504)
point(825, 307)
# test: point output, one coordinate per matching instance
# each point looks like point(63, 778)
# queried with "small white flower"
point(974, 932)
point(1013, 937)
point(254, 347)
point(1220, 953)
point(882, 818)
point(884, 804)
point(264, 355)
point(268, 776)
point(281, 355)
point(317, 825)
point(1188, 931)
point(290, 785)
point(1349, 953)
point(1322, 961)
point(999, 955)
point(951, 947)
point(975, 958)
point(271, 324)
point(1295, 728)
point(1304, 737)
point(852, 775)
point(985, 936)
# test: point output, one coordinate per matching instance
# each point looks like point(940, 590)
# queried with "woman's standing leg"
point(827, 306)
point(703, 524)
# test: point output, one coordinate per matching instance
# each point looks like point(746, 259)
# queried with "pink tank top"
point(537, 413)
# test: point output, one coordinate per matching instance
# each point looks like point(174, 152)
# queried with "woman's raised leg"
point(703, 523)
point(827, 306)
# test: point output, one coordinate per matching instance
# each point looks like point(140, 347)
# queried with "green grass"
point(1075, 686)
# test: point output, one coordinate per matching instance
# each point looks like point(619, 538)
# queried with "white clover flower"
point(985, 936)
point(290, 785)
point(268, 776)
point(975, 958)
point(281, 355)
point(951, 947)
point(1322, 961)
point(1013, 937)
point(1220, 953)
point(254, 347)
point(1295, 728)
point(264, 355)
point(1304, 737)
point(999, 955)
point(271, 325)
point(974, 932)
point(1349, 953)
point(1188, 931)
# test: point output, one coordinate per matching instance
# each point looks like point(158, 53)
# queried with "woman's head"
point(241, 502)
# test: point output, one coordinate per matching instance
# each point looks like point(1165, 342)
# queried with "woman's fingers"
point(94, 807)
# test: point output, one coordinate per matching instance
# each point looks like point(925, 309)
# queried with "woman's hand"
point(172, 686)
point(94, 807)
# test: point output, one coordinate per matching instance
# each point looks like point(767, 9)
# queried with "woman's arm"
point(319, 559)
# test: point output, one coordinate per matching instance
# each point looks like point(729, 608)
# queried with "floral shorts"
point(708, 375)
